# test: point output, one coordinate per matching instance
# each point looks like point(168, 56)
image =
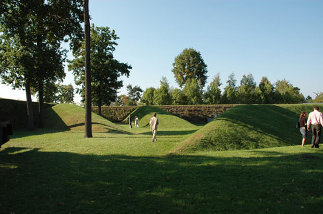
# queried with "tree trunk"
point(99, 107)
point(30, 113)
point(40, 104)
point(88, 120)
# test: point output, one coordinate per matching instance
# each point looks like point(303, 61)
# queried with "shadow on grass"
point(171, 132)
point(33, 181)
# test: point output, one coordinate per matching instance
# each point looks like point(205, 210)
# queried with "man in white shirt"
point(315, 119)
point(153, 126)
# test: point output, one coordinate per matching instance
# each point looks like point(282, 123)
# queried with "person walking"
point(136, 121)
point(315, 119)
point(302, 127)
point(153, 126)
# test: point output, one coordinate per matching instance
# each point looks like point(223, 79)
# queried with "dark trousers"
point(316, 134)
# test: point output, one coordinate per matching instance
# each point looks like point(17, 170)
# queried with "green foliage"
point(105, 70)
point(287, 93)
point(266, 91)
point(178, 97)
point(66, 93)
point(318, 98)
point(246, 93)
point(213, 91)
point(189, 65)
point(162, 94)
point(134, 95)
point(230, 91)
point(148, 96)
point(193, 92)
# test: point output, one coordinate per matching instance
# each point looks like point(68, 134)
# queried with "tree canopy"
point(105, 69)
point(188, 65)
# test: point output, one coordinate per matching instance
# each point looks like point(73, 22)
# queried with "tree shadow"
point(33, 181)
point(171, 132)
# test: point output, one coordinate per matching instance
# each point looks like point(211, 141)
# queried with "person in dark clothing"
point(130, 122)
point(302, 127)
point(315, 119)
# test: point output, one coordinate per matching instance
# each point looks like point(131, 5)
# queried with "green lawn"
point(122, 171)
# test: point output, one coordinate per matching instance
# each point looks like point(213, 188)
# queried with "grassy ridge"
point(248, 127)
point(167, 121)
point(72, 117)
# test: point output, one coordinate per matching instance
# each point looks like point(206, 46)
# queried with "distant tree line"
point(190, 73)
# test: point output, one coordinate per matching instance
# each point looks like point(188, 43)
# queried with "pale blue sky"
point(278, 39)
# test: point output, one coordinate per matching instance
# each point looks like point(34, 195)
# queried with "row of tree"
point(248, 92)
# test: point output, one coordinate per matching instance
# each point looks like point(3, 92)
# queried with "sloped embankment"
point(72, 117)
point(248, 127)
point(167, 121)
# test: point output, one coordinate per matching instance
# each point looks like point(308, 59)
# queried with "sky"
point(279, 39)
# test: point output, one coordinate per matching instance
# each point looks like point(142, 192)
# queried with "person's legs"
point(303, 132)
point(154, 135)
point(318, 136)
point(313, 135)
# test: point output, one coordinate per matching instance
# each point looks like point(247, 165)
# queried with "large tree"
point(87, 75)
point(35, 30)
point(105, 70)
point(189, 65)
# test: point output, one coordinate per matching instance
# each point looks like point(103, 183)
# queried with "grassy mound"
point(72, 117)
point(248, 127)
point(167, 121)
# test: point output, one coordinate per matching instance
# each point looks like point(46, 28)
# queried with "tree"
point(162, 95)
point(266, 91)
point(193, 92)
point(230, 91)
point(148, 96)
point(105, 70)
point(36, 29)
point(66, 93)
point(287, 93)
point(189, 65)
point(246, 91)
point(134, 94)
point(87, 75)
point(318, 97)
point(178, 97)
point(213, 91)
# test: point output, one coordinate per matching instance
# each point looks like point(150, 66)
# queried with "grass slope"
point(248, 127)
point(117, 173)
point(72, 117)
point(167, 121)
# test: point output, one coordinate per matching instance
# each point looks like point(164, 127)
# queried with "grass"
point(124, 172)
point(249, 127)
